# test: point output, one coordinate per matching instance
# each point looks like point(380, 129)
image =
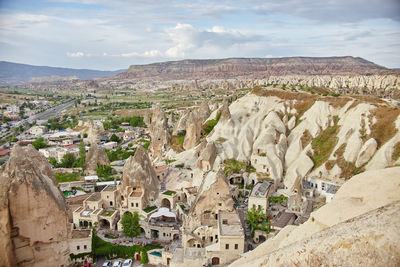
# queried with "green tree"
point(130, 224)
point(80, 162)
point(144, 259)
point(68, 160)
point(53, 161)
point(39, 143)
point(254, 216)
point(114, 138)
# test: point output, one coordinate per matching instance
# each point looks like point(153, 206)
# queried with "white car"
point(127, 263)
point(107, 264)
point(117, 263)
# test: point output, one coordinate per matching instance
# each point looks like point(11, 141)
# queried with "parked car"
point(107, 264)
point(117, 263)
point(127, 263)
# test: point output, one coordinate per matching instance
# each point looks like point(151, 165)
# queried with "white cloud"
point(188, 38)
point(75, 54)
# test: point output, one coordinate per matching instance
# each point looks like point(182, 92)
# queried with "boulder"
point(34, 220)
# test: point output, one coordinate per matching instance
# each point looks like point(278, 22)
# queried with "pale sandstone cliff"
point(34, 215)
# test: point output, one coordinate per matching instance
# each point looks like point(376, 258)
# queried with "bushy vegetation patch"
point(67, 177)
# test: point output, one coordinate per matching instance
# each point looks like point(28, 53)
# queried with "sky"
point(113, 34)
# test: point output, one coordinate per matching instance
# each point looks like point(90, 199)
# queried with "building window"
point(236, 246)
point(226, 246)
point(78, 248)
point(131, 204)
point(203, 238)
point(220, 204)
point(107, 196)
point(211, 239)
point(179, 198)
point(259, 206)
point(137, 205)
point(84, 247)
point(224, 221)
point(216, 237)
point(111, 203)
point(216, 216)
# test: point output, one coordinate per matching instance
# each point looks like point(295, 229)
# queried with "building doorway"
point(215, 261)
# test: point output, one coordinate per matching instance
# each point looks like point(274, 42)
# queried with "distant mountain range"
point(253, 68)
point(15, 73)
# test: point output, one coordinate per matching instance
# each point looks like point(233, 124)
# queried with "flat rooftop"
point(110, 188)
point(282, 219)
point(94, 197)
point(229, 224)
point(261, 189)
point(81, 233)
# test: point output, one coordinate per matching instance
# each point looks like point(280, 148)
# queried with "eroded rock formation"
point(160, 138)
point(92, 129)
point(34, 216)
point(96, 156)
point(138, 171)
point(193, 130)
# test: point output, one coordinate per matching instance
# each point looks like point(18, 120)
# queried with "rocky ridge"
point(32, 233)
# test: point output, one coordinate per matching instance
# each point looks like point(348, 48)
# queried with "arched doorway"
point(166, 203)
point(261, 238)
point(191, 242)
point(176, 236)
point(104, 223)
point(215, 261)
point(142, 231)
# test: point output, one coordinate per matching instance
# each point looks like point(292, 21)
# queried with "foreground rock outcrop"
point(33, 214)
point(96, 156)
point(138, 171)
point(358, 228)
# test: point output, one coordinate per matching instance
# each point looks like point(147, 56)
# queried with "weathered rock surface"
point(212, 197)
point(34, 216)
point(92, 129)
point(359, 227)
point(181, 124)
point(138, 171)
point(366, 152)
point(96, 156)
point(160, 138)
point(225, 113)
point(193, 130)
point(203, 112)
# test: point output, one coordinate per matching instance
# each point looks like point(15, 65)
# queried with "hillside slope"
point(15, 73)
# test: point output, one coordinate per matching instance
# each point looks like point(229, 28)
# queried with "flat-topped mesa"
point(33, 214)
point(160, 138)
point(225, 113)
point(138, 171)
point(212, 198)
point(193, 131)
point(96, 156)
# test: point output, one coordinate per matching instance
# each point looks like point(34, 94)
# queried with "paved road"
point(51, 112)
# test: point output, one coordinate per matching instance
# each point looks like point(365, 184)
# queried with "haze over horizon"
point(104, 35)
